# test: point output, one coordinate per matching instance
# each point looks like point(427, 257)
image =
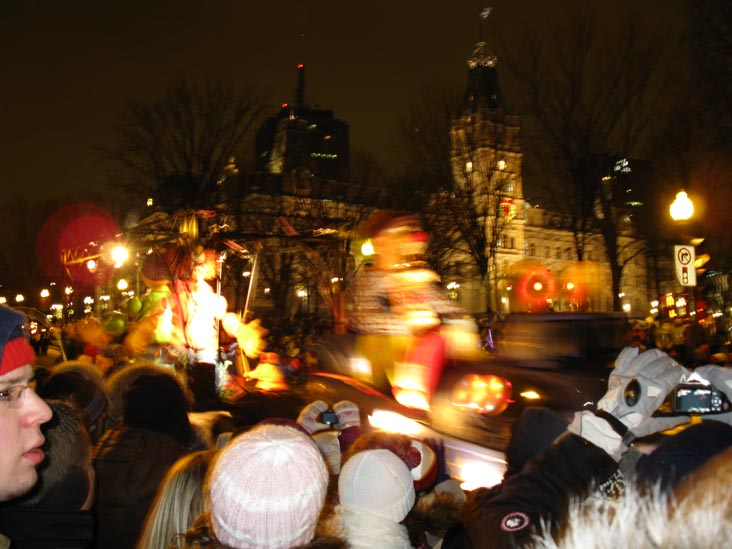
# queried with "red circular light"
point(487, 394)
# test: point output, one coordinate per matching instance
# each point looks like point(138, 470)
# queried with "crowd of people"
point(120, 460)
point(128, 451)
point(690, 340)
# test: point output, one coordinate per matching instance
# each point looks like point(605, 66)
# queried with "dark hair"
point(157, 402)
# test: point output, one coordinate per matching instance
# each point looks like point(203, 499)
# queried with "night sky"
point(68, 67)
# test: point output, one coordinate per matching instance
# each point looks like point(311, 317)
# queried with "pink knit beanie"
point(268, 487)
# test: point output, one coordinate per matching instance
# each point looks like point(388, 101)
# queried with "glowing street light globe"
point(682, 208)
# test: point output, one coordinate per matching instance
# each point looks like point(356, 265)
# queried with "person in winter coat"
point(695, 514)
point(131, 460)
point(586, 457)
point(55, 513)
point(375, 493)
point(266, 489)
point(180, 500)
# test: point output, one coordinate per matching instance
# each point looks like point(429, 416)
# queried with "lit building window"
point(469, 167)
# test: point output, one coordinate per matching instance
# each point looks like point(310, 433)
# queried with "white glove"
point(721, 379)
point(656, 375)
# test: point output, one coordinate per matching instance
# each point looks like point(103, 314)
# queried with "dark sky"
point(67, 67)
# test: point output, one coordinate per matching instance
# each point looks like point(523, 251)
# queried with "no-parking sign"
point(684, 258)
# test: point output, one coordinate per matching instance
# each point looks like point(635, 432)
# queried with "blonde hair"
point(180, 500)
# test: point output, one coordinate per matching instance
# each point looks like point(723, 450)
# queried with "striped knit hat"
point(268, 487)
point(15, 348)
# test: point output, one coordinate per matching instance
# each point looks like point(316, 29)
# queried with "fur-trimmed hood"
point(698, 514)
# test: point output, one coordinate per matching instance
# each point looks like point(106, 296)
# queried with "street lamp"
point(682, 208)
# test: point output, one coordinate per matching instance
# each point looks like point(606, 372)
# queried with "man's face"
point(20, 434)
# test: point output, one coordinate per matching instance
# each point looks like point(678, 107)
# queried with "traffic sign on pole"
point(684, 260)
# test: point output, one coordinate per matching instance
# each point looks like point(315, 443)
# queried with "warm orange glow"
point(412, 398)
point(269, 377)
point(485, 393)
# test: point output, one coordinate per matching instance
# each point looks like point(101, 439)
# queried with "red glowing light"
point(82, 228)
point(535, 285)
point(300, 66)
point(487, 394)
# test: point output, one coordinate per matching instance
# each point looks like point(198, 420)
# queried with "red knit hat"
point(15, 348)
point(16, 352)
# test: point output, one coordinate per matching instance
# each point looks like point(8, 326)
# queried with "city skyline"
point(71, 67)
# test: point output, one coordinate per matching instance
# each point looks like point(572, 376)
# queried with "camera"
point(329, 417)
point(697, 398)
point(694, 397)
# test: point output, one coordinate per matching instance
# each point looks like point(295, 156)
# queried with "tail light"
point(486, 394)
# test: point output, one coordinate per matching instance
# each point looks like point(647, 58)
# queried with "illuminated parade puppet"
point(152, 315)
point(397, 309)
point(180, 316)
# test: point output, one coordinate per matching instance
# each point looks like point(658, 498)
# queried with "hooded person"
point(268, 488)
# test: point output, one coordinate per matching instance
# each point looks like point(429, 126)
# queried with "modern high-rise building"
point(303, 138)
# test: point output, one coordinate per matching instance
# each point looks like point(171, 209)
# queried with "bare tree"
point(178, 148)
point(588, 99)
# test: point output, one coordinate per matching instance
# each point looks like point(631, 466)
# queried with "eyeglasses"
point(13, 396)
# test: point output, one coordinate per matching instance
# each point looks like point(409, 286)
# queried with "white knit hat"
point(377, 482)
point(268, 488)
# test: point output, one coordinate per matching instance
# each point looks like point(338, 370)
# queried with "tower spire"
point(483, 89)
point(482, 56)
point(300, 96)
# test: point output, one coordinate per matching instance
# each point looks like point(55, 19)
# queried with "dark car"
point(560, 361)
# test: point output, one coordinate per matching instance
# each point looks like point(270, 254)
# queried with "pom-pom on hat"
point(376, 482)
point(15, 348)
point(268, 488)
point(424, 473)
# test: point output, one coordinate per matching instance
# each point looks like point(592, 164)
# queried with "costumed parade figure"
point(397, 310)
point(179, 319)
